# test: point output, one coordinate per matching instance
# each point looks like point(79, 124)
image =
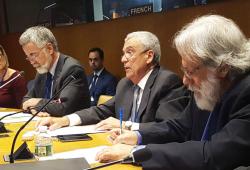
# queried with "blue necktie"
point(48, 84)
point(134, 114)
point(92, 86)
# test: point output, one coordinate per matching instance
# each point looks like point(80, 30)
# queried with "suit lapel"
point(147, 91)
point(58, 71)
point(128, 101)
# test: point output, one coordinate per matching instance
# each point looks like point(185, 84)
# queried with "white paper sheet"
point(75, 130)
point(66, 131)
point(20, 117)
point(89, 154)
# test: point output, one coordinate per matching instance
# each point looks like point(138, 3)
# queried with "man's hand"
point(109, 123)
point(31, 103)
point(127, 137)
point(53, 122)
point(115, 152)
point(41, 114)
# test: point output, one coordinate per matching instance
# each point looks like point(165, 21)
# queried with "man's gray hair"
point(214, 40)
point(149, 41)
point(40, 36)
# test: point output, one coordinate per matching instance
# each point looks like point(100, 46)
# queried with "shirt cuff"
point(74, 119)
point(139, 141)
point(135, 126)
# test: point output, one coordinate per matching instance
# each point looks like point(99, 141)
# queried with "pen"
point(121, 116)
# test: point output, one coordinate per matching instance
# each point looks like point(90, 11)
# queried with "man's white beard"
point(45, 68)
point(208, 95)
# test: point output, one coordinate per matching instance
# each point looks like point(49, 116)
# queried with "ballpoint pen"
point(121, 116)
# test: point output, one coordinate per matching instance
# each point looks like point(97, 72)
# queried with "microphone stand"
point(11, 156)
point(18, 75)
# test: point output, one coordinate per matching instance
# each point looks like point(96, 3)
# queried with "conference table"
point(99, 139)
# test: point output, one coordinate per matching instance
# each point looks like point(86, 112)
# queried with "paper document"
point(19, 117)
point(66, 131)
point(89, 154)
point(75, 130)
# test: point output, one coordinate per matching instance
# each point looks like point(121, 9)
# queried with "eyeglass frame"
point(190, 74)
point(133, 53)
point(34, 55)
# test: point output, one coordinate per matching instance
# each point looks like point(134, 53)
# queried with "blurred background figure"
point(11, 94)
point(101, 82)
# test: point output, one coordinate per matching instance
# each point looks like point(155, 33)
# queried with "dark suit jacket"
point(105, 85)
point(161, 87)
point(74, 97)
point(228, 148)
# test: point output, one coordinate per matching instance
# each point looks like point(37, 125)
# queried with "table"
point(98, 140)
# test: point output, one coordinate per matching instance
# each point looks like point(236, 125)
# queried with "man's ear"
point(50, 48)
point(150, 56)
point(223, 70)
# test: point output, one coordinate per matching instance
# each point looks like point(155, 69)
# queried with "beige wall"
point(109, 35)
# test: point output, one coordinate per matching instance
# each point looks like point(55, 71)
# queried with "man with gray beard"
point(215, 59)
point(54, 70)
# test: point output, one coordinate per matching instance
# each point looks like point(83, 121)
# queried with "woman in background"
point(11, 95)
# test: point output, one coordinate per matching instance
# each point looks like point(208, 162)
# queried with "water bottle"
point(43, 142)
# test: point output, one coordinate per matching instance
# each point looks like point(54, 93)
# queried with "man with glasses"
point(215, 57)
point(54, 70)
point(147, 94)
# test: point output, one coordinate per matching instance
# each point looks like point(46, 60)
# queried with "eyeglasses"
point(190, 74)
point(34, 55)
point(130, 53)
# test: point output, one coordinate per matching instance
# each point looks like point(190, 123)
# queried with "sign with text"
point(148, 8)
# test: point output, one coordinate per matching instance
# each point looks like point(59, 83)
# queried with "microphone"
point(137, 157)
point(178, 98)
point(18, 75)
point(12, 156)
point(50, 6)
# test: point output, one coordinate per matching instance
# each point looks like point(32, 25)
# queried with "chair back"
point(103, 98)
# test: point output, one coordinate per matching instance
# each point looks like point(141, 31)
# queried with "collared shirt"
point(98, 74)
point(74, 119)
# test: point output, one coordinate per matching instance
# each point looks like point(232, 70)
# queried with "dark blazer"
point(161, 87)
point(74, 97)
point(105, 85)
point(228, 148)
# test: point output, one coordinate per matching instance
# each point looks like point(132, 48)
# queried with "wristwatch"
point(128, 125)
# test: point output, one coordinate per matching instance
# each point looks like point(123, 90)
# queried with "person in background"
point(215, 58)
point(54, 70)
point(147, 94)
point(101, 82)
point(11, 94)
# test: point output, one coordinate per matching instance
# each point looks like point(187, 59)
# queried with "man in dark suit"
point(54, 71)
point(147, 94)
point(213, 131)
point(101, 82)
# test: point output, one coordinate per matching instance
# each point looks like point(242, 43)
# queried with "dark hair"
point(99, 51)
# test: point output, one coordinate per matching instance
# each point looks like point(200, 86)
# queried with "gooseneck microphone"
point(11, 156)
point(18, 75)
point(138, 156)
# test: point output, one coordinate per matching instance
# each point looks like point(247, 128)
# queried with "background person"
point(101, 82)
point(11, 95)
